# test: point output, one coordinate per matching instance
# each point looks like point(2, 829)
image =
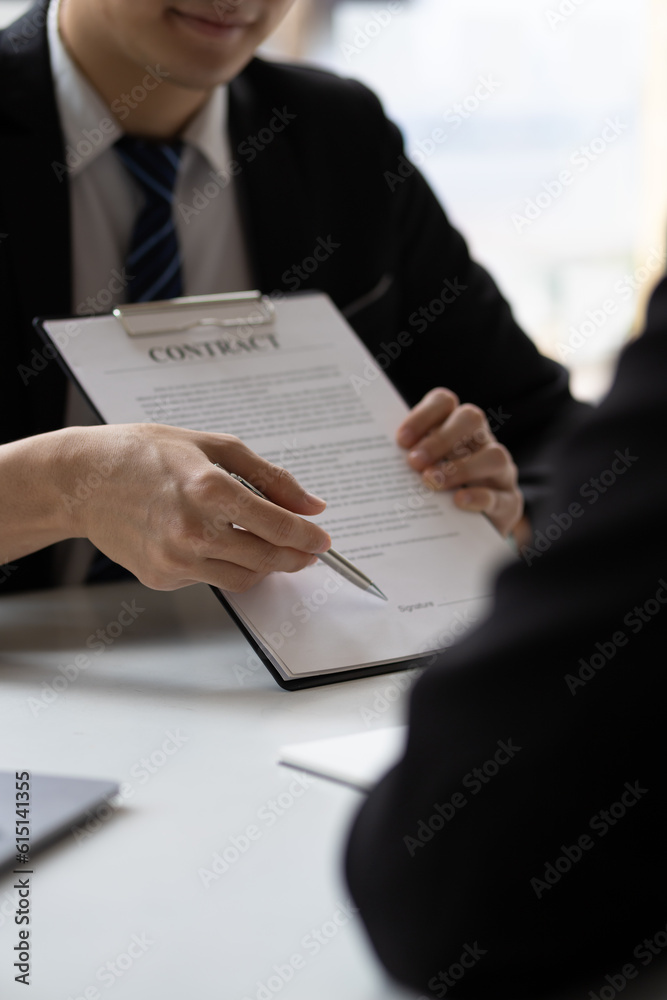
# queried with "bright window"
point(533, 121)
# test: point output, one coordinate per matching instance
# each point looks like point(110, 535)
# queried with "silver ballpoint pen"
point(331, 558)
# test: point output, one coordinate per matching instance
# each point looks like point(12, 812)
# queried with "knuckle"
point(267, 561)
point(300, 562)
point(157, 577)
point(462, 449)
point(243, 580)
point(283, 528)
point(502, 458)
point(474, 416)
point(205, 486)
point(233, 442)
point(273, 476)
point(281, 477)
point(498, 453)
point(197, 541)
point(442, 395)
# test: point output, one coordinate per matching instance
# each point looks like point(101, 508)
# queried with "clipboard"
point(238, 310)
point(263, 371)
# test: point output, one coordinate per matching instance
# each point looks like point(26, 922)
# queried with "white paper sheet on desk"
point(307, 395)
point(358, 760)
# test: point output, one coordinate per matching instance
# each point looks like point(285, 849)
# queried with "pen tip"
point(374, 589)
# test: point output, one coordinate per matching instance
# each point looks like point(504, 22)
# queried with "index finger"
point(273, 481)
point(274, 524)
point(432, 410)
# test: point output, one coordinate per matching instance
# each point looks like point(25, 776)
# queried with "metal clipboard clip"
point(182, 315)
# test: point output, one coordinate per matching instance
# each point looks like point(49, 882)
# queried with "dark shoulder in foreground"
point(527, 822)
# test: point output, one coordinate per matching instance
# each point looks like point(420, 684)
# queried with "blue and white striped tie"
point(154, 259)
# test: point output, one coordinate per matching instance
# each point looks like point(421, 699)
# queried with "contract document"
point(293, 381)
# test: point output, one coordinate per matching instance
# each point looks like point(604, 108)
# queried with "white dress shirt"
point(106, 199)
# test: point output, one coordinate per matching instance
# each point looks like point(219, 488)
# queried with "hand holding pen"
point(331, 558)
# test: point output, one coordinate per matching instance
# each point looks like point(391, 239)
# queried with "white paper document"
point(358, 760)
point(304, 392)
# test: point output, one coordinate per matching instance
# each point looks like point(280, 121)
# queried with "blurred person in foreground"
point(520, 846)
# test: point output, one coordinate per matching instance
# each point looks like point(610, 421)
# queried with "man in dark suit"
point(519, 846)
point(306, 186)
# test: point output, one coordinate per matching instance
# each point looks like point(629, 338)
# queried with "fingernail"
point(311, 498)
point(406, 438)
point(419, 456)
point(464, 499)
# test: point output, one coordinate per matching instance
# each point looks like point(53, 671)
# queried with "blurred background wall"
point(542, 127)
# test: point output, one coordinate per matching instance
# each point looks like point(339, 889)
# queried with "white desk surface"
point(181, 667)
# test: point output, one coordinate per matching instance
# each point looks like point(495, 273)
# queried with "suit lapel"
point(34, 207)
point(268, 185)
point(36, 196)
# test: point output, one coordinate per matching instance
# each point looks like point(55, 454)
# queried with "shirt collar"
point(207, 131)
point(90, 128)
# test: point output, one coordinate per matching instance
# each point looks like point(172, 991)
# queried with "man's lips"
point(210, 25)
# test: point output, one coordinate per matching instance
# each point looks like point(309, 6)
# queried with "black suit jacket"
point(569, 674)
point(335, 173)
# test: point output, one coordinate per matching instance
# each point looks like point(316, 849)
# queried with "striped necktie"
point(153, 260)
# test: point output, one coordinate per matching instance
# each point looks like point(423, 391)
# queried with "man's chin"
point(203, 78)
